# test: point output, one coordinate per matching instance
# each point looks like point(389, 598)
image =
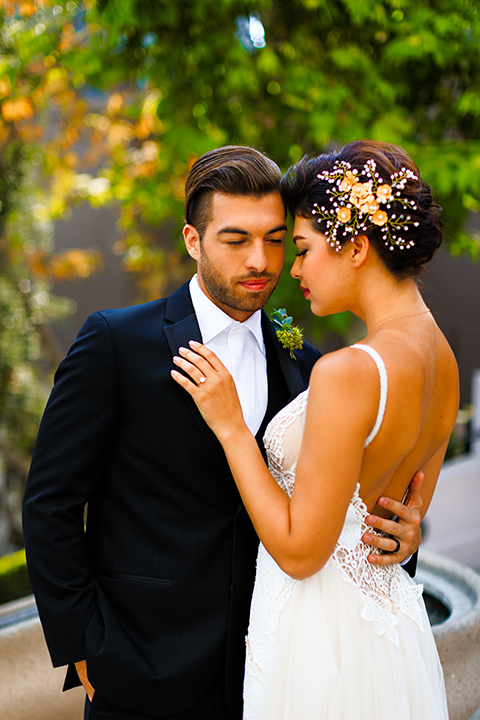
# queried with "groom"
point(148, 601)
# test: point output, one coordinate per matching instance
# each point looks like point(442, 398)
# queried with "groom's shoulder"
point(144, 314)
point(133, 314)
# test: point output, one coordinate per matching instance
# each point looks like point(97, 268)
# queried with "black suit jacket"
point(155, 593)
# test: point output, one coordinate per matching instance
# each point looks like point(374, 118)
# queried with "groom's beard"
point(230, 293)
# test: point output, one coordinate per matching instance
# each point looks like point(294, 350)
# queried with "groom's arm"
point(405, 528)
point(71, 457)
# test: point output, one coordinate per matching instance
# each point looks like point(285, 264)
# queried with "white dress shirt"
point(241, 349)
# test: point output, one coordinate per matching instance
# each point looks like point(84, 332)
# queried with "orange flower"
point(380, 218)
point(344, 214)
point(19, 109)
point(384, 192)
point(348, 181)
point(361, 190)
point(369, 205)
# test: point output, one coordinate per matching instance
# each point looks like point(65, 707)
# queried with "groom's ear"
point(192, 241)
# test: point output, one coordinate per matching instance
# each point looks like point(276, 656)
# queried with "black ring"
point(393, 552)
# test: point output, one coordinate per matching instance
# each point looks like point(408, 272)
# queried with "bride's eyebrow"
point(298, 237)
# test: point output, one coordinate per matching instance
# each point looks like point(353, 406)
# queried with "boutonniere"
point(290, 336)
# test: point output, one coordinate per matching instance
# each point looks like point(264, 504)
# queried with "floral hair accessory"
point(290, 336)
point(362, 200)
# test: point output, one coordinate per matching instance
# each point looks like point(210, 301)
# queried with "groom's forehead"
point(251, 208)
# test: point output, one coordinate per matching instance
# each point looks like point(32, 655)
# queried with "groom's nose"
point(257, 258)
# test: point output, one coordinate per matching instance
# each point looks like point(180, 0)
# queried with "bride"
point(332, 636)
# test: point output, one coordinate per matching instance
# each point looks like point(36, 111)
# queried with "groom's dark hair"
point(232, 170)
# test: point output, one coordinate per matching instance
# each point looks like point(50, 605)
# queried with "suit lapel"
point(285, 380)
point(290, 368)
point(284, 377)
point(182, 328)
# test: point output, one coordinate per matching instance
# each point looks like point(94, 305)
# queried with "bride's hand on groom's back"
point(211, 387)
point(406, 529)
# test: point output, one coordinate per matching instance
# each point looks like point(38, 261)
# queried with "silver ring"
point(202, 380)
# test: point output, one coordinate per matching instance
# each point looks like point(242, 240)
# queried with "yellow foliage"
point(3, 132)
point(13, 561)
point(37, 67)
point(38, 265)
point(143, 169)
point(5, 87)
point(144, 127)
point(49, 61)
point(22, 7)
point(71, 159)
point(26, 8)
point(19, 109)
point(119, 133)
point(30, 133)
point(115, 104)
point(68, 32)
point(56, 79)
point(74, 264)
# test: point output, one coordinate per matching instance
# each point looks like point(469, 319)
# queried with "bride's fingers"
point(196, 359)
point(184, 382)
point(209, 356)
point(196, 373)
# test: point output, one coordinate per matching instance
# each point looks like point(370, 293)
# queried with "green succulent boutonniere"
point(290, 336)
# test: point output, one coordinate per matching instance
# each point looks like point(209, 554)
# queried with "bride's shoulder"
point(345, 360)
point(346, 371)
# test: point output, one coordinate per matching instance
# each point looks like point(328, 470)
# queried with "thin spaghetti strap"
point(382, 371)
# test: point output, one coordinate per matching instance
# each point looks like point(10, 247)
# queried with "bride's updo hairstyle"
point(368, 188)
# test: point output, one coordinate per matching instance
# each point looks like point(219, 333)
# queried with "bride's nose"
point(295, 269)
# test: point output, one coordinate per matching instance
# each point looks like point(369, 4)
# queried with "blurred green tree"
point(184, 77)
point(110, 101)
point(28, 206)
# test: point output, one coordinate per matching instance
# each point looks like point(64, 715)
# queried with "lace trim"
point(384, 588)
point(273, 441)
point(272, 590)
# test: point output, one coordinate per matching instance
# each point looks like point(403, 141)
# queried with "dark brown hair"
point(301, 189)
point(233, 170)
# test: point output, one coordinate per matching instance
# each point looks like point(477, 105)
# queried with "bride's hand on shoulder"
point(211, 387)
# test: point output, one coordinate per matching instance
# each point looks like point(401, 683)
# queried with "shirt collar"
point(212, 321)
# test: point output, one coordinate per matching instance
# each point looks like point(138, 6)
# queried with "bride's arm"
point(300, 533)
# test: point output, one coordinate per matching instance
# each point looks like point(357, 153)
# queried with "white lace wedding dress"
point(352, 642)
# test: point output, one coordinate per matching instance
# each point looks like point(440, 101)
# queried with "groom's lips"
point(255, 284)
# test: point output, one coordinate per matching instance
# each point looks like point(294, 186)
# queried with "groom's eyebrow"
point(239, 231)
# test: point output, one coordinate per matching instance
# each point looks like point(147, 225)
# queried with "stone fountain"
point(31, 690)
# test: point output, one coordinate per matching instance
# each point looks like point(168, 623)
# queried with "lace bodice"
point(383, 587)
point(306, 636)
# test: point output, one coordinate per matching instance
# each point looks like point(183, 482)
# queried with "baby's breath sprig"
point(360, 200)
point(290, 336)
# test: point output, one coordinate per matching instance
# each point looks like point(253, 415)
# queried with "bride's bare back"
point(421, 409)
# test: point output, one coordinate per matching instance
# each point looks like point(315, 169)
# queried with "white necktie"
point(248, 368)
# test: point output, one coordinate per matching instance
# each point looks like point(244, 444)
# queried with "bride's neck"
point(385, 298)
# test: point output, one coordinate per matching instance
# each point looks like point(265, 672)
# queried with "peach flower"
point(380, 218)
point(348, 181)
point(369, 205)
point(361, 190)
point(384, 192)
point(344, 214)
